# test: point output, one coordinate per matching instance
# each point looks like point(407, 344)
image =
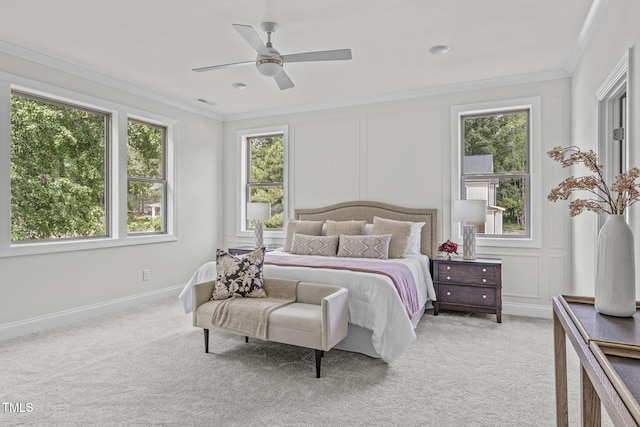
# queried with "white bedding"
point(374, 303)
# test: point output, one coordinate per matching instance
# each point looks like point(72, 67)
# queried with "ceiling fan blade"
point(215, 67)
point(250, 35)
point(283, 80)
point(325, 55)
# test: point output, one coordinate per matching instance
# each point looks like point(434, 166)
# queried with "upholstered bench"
point(317, 319)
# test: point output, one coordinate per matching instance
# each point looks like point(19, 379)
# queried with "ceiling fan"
point(269, 61)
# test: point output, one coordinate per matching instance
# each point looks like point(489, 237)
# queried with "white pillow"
point(368, 229)
point(415, 238)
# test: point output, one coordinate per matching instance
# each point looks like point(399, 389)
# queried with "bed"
point(381, 323)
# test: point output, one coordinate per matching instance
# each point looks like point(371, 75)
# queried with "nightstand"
point(468, 285)
point(241, 250)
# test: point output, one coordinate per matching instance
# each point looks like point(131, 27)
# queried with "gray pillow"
point(345, 227)
point(400, 232)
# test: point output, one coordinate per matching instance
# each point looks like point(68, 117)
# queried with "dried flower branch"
point(612, 200)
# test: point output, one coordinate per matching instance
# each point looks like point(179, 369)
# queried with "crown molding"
point(586, 32)
point(87, 74)
point(399, 96)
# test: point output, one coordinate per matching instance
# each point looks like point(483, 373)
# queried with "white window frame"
point(161, 180)
point(616, 84)
point(241, 205)
point(533, 104)
point(116, 186)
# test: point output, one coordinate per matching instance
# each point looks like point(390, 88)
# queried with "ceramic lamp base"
point(257, 227)
point(469, 242)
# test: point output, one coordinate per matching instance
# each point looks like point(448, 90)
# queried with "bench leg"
point(319, 354)
point(206, 340)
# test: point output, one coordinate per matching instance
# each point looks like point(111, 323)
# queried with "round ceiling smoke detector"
point(440, 49)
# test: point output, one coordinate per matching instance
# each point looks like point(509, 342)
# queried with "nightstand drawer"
point(467, 273)
point(474, 295)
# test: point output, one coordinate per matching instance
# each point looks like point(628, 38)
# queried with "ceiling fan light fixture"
point(269, 67)
point(440, 49)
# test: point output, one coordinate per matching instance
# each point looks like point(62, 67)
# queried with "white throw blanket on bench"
point(249, 316)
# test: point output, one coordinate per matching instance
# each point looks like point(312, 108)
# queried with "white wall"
point(400, 152)
point(616, 31)
point(44, 289)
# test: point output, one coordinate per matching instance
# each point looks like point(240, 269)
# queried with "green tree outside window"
point(265, 180)
point(58, 174)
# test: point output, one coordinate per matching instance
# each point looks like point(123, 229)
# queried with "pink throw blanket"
point(399, 274)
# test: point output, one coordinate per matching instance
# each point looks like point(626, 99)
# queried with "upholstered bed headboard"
point(362, 210)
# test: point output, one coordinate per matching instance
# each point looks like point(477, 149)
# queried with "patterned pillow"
point(312, 228)
point(239, 276)
point(364, 246)
point(314, 245)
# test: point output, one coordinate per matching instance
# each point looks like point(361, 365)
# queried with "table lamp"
point(258, 212)
point(469, 212)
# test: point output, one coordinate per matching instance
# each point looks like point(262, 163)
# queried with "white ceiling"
point(154, 44)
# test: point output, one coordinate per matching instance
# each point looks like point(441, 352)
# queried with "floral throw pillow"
point(239, 276)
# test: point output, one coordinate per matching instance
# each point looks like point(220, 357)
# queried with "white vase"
point(615, 293)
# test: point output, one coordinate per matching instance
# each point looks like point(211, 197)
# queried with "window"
point(81, 172)
point(495, 167)
point(58, 173)
point(264, 174)
point(146, 177)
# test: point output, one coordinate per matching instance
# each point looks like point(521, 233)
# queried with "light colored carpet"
point(148, 367)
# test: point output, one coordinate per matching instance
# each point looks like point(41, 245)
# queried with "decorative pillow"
point(335, 228)
point(239, 276)
point(314, 245)
point(400, 232)
point(415, 239)
point(311, 228)
point(364, 246)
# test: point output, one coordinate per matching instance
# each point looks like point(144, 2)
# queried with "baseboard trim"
point(527, 310)
point(61, 318)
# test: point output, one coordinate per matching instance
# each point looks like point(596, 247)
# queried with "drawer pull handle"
point(448, 293)
point(484, 296)
point(484, 280)
point(448, 277)
point(484, 270)
point(448, 267)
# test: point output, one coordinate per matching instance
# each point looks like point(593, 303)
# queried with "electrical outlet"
point(146, 275)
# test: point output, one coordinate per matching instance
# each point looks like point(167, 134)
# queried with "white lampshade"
point(470, 211)
point(258, 211)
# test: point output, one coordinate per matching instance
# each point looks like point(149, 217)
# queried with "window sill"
point(506, 242)
point(21, 249)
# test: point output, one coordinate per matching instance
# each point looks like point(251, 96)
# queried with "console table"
point(609, 352)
